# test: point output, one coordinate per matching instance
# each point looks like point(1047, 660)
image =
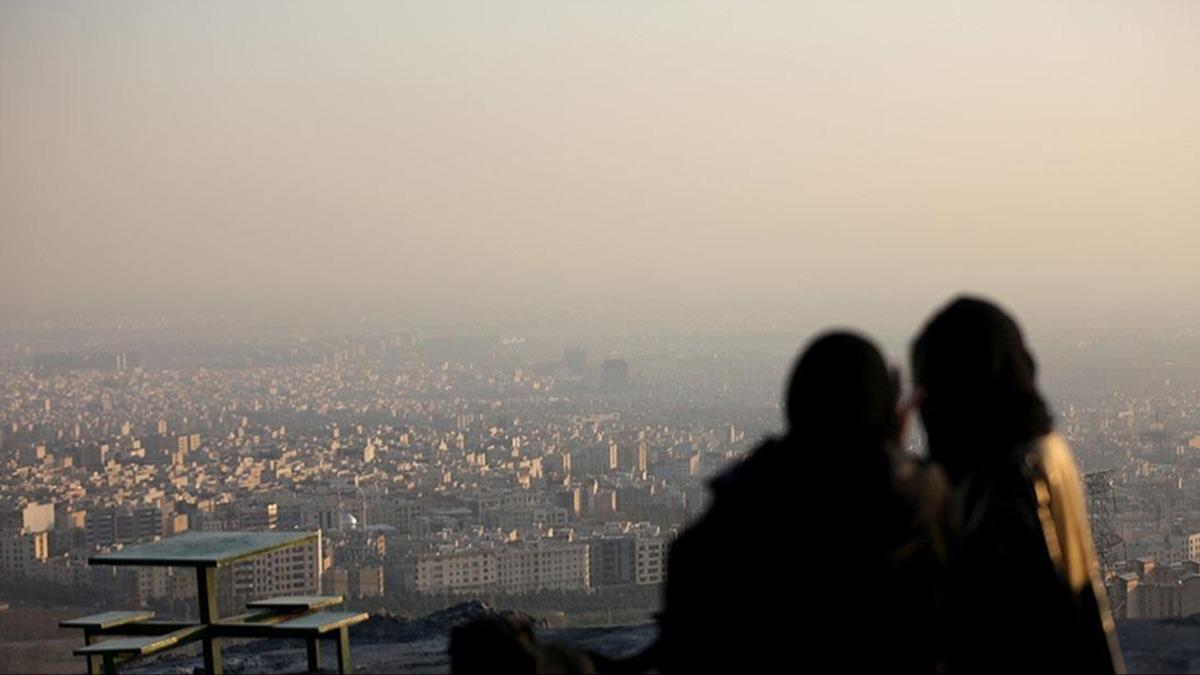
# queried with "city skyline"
point(414, 316)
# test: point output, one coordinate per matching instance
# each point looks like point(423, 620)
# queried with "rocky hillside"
point(1161, 645)
point(392, 644)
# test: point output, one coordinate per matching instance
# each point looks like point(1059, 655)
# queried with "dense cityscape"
point(465, 333)
point(457, 466)
point(430, 466)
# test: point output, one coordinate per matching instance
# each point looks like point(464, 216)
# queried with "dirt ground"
point(32, 642)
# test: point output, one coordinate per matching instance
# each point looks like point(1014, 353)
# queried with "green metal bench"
point(313, 627)
point(281, 617)
point(129, 648)
point(296, 603)
point(285, 617)
point(105, 620)
point(206, 552)
point(95, 624)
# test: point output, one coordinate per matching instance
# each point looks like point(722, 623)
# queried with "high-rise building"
point(614, 375)
point(456, 572)
point(515, 568)
point(21, 551)
point(31, 454)
point(575, 359)
point(613, 560)
point(597, 459)
point(355, 581)
point(295, 570)
point(632, 456)
point(651, 560)
point(91, 455)
point(544, 566)
point(31, 517)
point(127, 524)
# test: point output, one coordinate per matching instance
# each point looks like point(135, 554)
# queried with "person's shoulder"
point(1049, 456)
point(926, 490)
point(755, 466)
point(921, 482)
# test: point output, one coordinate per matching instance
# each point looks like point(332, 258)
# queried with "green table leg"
point(343, 651)
point(93, 662)
point(314, 654)
point(206, 579)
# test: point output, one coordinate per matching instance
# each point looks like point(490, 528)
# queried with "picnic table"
point(303, 617)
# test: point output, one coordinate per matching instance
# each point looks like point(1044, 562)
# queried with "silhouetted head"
point(843, 391)
point(977, 382)
point(492, 645)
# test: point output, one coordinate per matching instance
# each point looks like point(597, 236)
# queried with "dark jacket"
point(811, 561)
point(1024, 588)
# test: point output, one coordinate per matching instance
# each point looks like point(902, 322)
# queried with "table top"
point(108, 619)
point(203, 549)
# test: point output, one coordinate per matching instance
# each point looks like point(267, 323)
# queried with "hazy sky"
point(714, 158)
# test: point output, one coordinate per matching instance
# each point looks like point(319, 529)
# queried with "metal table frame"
point(206, 552)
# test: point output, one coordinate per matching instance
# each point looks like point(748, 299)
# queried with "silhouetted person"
point(493, 645)
point(1023, 586)
point(819, 549)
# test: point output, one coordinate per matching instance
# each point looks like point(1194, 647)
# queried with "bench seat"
point(128, 648)
point(296, 603)
point(321, 622)
point(314, 626)
point(139, 646)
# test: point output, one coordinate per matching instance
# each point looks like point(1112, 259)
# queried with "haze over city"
point(762, 162)
point(393, 319)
